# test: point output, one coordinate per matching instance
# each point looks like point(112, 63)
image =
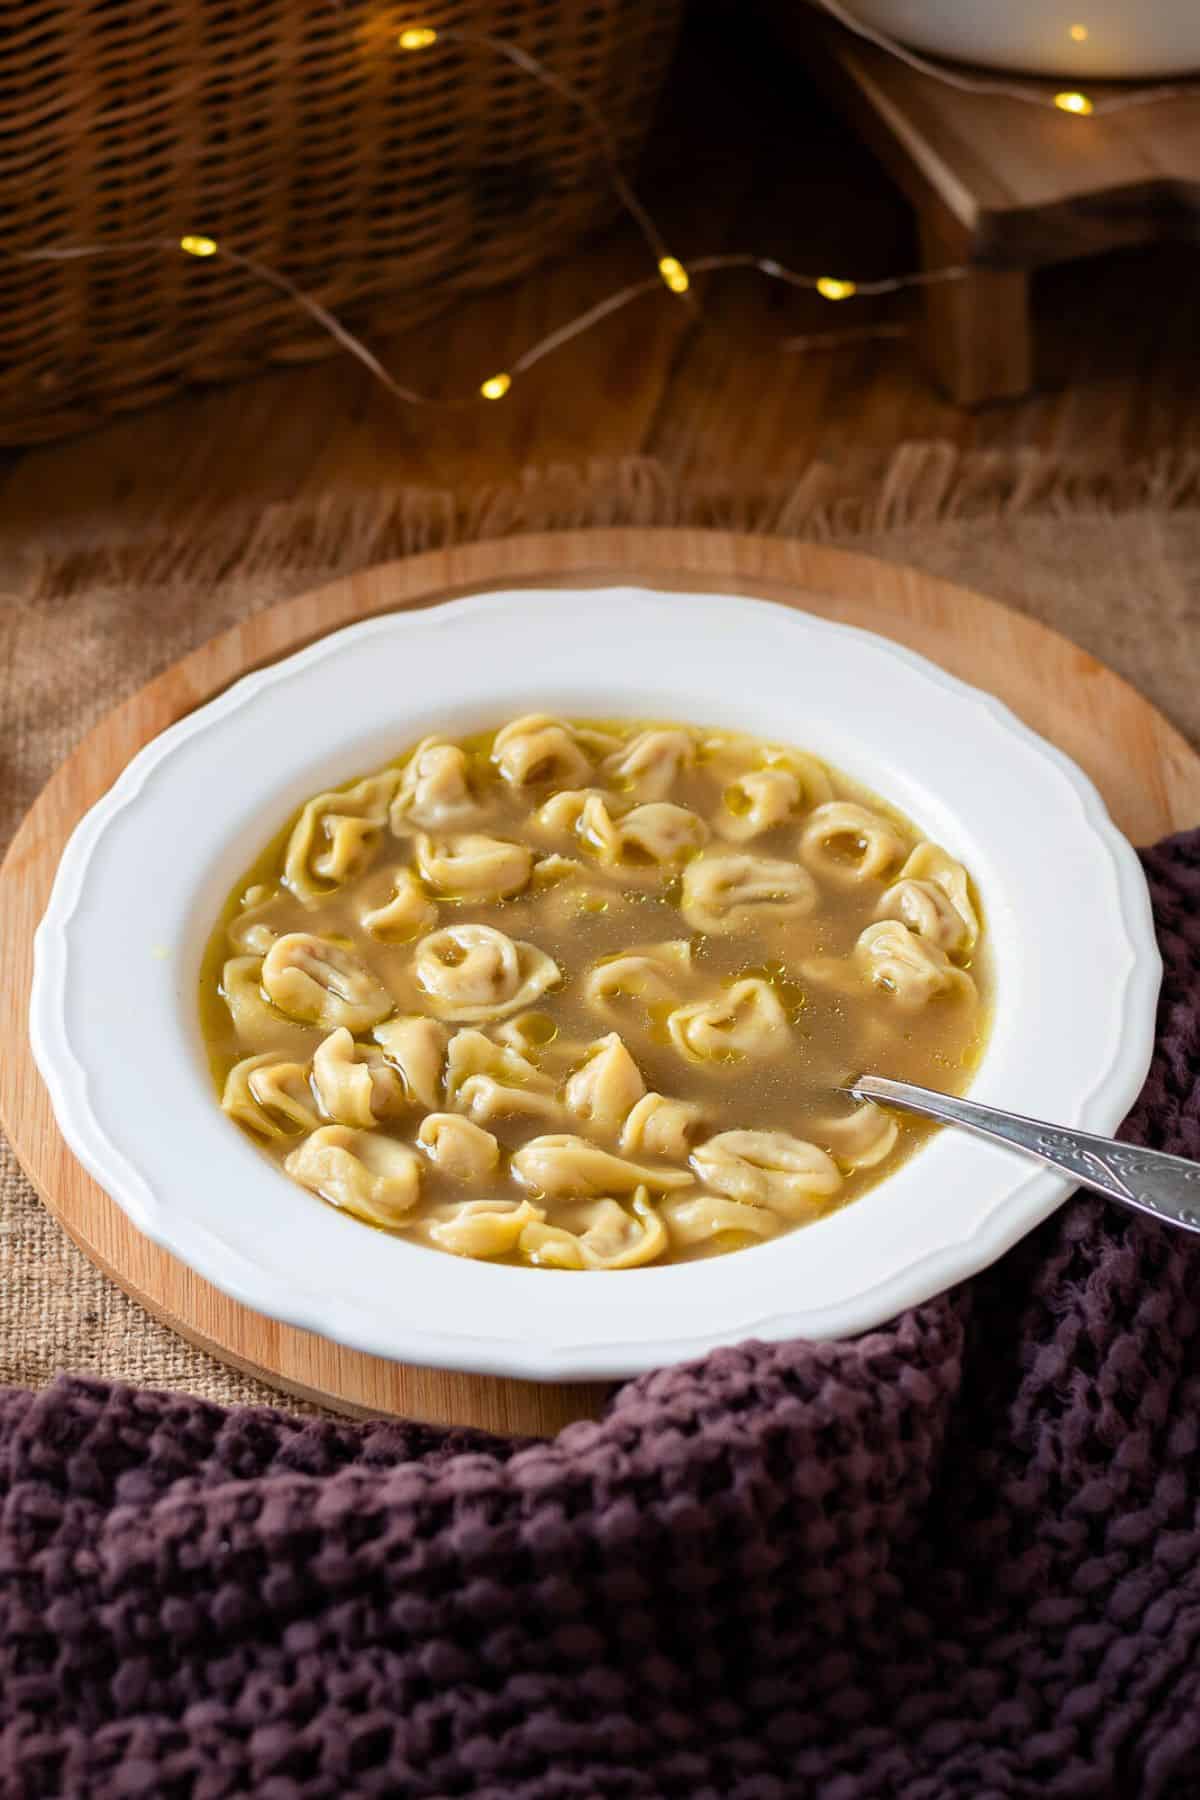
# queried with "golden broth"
point(676, 814)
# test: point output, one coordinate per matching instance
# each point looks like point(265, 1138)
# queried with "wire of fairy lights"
point(671, 271)
point(496, 386)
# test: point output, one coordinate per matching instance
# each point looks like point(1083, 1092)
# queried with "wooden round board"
point(1146, 771)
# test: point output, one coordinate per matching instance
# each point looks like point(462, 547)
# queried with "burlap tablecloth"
point(1109, 556)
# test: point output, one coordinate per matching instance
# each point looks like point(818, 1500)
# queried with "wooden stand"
point(1146, 772)
point(1003, 188)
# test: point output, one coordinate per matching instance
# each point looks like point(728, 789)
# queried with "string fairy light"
point(496, 386)
point(674, 274)
point(1073, 102)
point(670, 271)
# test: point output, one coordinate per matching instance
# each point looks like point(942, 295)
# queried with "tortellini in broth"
point(584, 996)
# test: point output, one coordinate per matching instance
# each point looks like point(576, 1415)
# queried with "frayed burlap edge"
point(915, 485)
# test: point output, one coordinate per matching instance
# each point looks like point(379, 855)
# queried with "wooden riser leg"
point(975, 335)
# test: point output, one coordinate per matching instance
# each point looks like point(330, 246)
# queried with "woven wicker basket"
point(294, 132)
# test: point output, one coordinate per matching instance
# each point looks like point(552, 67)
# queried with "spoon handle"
point(1149, 1181)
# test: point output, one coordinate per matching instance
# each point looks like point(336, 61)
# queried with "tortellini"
point(362, 1172)
point(480, 1228)
point(724, 755)
point(539, 749)
point(259, 921)
point(932, 896)
point(651, 764)
point(861, 1138)
point(657, 834)
point(470, 973)
point(747, 1021)
point(492, 1081)
point(583, 997)
point(563, 1166)
point(355, 1083)
point(660, 832)
point(536, 1037)
point(811, 776)
point(908, 968)
point(526, 1032)
point(844, 842)
point(315, 980)
point(458, 1147)
point(735, 891)
point(258, 1024)
point(564, 811)
point(598, 1234)
point(435, 792)
point(768, 1168)
point(756, 801)
point(405, 913)
point(703, 1218)
point(660, 1126)
point(334, 834)
point(548, 870)
point(651, 975)
point(271, 1095)
point(416, 1049)
point(474, 866)
point(606, 1088)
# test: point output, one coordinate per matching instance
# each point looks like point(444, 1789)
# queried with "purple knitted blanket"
point(958, 1557)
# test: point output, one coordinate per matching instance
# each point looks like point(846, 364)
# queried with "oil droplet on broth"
point(844, 847)
point(658, 1012)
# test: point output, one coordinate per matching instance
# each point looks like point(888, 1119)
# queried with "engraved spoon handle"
point(1150, 1181)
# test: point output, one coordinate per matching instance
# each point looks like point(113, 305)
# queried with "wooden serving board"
point(1146, 771)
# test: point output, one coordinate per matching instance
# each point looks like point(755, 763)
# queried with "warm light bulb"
point(1073, 103)
point(830, 288)
point(198, 246)
point(417, 37)
point(495, 387)
point(1079, 34)
point(674, 274)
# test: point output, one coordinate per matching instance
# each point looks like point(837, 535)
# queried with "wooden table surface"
point(746, 156)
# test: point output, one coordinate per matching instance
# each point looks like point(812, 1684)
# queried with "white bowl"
point(114, 1015)
point(1120, 40)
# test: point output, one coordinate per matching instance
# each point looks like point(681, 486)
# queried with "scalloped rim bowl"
point(114, 1010)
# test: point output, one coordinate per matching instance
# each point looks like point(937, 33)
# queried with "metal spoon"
point(1149, 1181)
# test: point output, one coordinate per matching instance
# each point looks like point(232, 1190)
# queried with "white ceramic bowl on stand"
point(1118, 40)
point(114, 1011)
